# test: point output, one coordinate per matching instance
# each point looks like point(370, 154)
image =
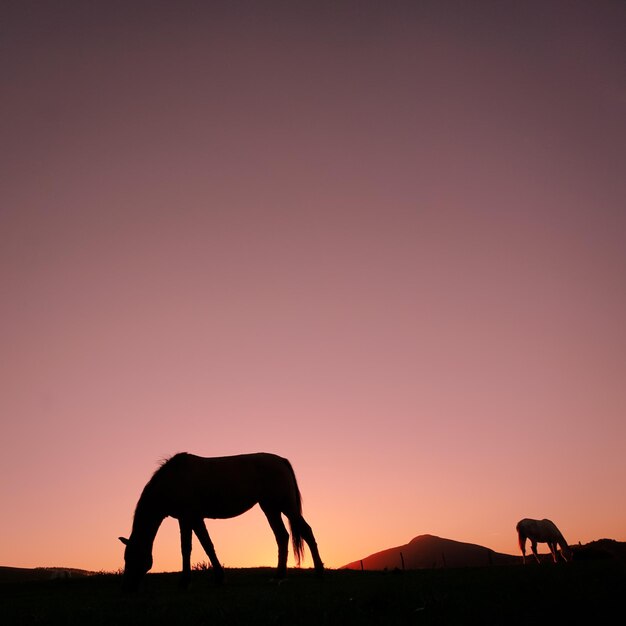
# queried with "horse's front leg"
point(205, 541)
point(552, 547)
point(185, 549)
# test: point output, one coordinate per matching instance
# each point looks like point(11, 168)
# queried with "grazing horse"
point(190, 488)
point(541, 531)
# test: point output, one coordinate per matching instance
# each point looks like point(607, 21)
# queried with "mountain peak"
point(429, 551)
point(421, 538)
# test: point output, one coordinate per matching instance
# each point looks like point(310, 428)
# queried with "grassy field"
point(587, 592)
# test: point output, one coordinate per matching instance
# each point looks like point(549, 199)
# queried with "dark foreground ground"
point(581, 593)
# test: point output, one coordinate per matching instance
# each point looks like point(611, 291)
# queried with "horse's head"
point(137, 562)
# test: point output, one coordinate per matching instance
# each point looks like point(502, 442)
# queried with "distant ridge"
point(23, 574)
point(600, 549)
point(429, 551)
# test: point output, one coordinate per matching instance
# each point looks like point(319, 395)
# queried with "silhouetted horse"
point(191, 488)
point(541, 531)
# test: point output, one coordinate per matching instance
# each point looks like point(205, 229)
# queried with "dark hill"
point(600, 549)
point(428, 551)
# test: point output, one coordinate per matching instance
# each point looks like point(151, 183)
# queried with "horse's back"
point(543, 529)
point(226, 486)
point(187, 464)
point(248, 468)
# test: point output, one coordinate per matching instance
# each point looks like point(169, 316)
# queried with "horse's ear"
point(123, 540)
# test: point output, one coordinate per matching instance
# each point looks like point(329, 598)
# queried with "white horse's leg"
point(533, 545)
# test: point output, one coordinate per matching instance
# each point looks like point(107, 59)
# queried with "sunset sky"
point(383, 239)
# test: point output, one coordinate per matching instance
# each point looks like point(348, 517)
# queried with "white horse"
point(542, 531)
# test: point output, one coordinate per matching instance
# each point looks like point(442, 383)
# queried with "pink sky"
point(384, 240)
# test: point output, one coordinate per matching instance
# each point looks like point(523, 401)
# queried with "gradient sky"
point(382, 239)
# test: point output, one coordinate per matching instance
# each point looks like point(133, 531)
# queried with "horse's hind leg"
point(307, 534)
point(282, 538)
point(533, 545)
point(205, 541)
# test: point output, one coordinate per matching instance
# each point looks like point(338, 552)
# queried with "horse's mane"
point(166, 465)
point(170, 462)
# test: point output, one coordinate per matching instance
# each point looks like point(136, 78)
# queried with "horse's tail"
point(521, 536)
point(296, 519)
